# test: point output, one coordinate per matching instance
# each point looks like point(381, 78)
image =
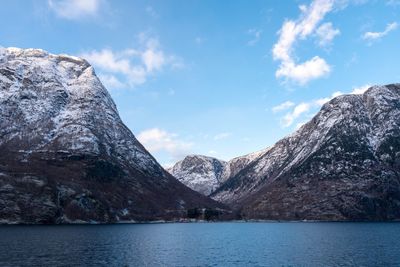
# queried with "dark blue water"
point(203, 244)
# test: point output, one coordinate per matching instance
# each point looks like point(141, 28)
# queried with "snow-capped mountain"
point(201, 173)
point(342, 165)
point(66, 156)
point(205, 174)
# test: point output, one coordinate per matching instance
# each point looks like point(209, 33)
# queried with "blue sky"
point(219, 78)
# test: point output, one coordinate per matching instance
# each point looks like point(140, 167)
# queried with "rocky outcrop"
point(342, 165)
point(66, 156)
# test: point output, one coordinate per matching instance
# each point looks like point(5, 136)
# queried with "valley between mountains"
point(66, 157)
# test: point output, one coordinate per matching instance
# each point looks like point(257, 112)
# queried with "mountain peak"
point(60, 130)
point(39, 53)
point(341, 165)
point(205, 174)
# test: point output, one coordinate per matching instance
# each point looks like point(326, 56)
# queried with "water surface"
point(202, 244)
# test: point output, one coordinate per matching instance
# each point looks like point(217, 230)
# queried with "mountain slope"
point(342, 165)
point(66, 154)
point(201, 173)
point(205, 174)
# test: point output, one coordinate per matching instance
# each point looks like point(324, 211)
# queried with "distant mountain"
point(205, 174)
point(66, 156)
point(202, 174)
point(342, 165)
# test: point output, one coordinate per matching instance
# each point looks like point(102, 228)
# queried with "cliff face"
point(342, 165)
point(66, 156)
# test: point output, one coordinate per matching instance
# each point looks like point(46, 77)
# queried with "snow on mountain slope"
point(202, 174)
point(66, 154)
point(61, 94)
point(343, 164)
point(239, 163)
point(205, 174)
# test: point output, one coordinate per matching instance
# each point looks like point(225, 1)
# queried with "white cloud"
point(371, 36)
point(361, 89)
point(110, 81)
point(305, 108)
point(303, 73)
point(156, 140)
point(112, 63)
point(297, 111)
point(221, 136)
point(256, 35)
point(283, 106)
point(74, 9)
point(326, 33)
point(130, 67)
point(153, 59)
point(290, 32)
point(319, 102)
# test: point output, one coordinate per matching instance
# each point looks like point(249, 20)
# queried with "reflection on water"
point(202, 244)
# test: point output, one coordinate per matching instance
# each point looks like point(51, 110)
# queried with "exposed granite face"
point(342, 165)
point(66, 156)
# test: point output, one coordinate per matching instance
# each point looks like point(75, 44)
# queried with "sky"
point(218, 78)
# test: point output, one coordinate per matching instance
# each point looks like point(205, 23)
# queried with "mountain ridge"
point(67, 156)
point(346, 157)
point(351, 138)
point(205, 174)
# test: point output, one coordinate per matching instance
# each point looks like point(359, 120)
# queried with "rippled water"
point(202, 244)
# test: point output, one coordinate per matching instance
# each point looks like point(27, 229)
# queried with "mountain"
point(201, 173)
point(66, 156)
point(342, 165)
point(205, 174)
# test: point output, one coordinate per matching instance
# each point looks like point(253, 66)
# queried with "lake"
point(202, 244)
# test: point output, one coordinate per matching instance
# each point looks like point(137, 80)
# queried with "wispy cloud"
point(110, 81)
point(372, 36)
point(221, 136)
point(283, 106)
point(360, 90)
point(311, 107)
point(156, 140)
point(255, 34)
point(298, 110)
point(152, 12)
point(302, 28)
point(326, 33)
point(132, 66)
point(75, 9)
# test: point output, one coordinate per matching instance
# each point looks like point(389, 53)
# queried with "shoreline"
point(2, 223)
